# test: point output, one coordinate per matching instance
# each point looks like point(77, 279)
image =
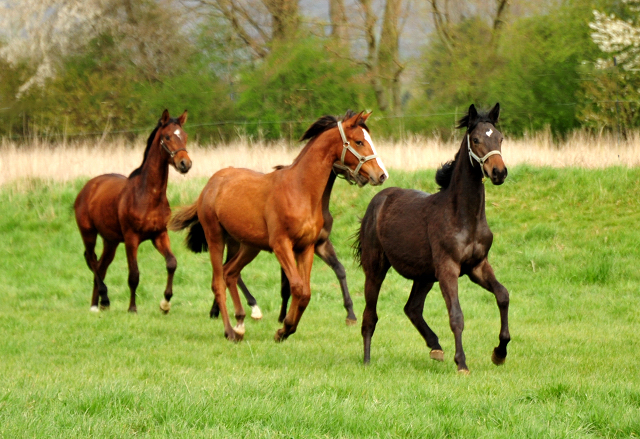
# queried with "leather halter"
point(351, 175)
point(172, 154)
point(481, 160)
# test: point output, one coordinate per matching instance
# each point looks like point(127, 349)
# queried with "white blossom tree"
point(620, 38)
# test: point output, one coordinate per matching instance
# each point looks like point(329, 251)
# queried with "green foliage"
point(533, 70)
point(570, 373)
point(295, 85)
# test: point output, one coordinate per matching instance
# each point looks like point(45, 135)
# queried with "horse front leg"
point(299, 278)
point(483, 275)
point(131, 243)
point(447, 274)
point(328, 254)
point(163, 245)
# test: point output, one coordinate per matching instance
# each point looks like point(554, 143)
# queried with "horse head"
point(359, 160)
point(173, 140)
point(484, 142)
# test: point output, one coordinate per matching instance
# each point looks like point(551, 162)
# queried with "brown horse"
point(323, 248)
point(438, 238)
point(132, 210)
point(280, 212)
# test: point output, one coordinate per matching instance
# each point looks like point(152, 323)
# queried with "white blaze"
point(367, 137)
point(177, 133)
point(489, 133)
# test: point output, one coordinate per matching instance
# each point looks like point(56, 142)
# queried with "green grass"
point(566, 246)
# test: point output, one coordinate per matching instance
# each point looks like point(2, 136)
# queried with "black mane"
point(481, 117)
point(445, 172)
point(152, 136)
point(327, 122)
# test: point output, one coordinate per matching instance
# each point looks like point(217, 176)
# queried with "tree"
point(612, 93)
point(259, 24)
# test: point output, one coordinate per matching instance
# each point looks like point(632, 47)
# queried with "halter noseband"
point(172, 154)
point(481, 160)
point(351, 174)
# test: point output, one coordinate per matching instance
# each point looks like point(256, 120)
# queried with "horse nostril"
point(383, 177)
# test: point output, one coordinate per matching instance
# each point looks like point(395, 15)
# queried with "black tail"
point(357, 244)
point(187, 217)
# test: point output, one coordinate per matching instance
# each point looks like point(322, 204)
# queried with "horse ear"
point(183, 118)
point(494, 114)
point(366, 116)
point(353, 120)
point(164, 118)
point(473, 114)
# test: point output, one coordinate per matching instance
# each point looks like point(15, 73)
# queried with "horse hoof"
point(256, 314)
point(239, 329)
point(94, 308)
point(464, 372)
point(351, 322)
point(279, 336)
point(165, 306)
point(104, 307)
point(436, 354)
point(497, 360)
point(133, 310)
point(234, 336)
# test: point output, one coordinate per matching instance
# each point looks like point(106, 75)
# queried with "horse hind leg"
point(108, 253)
point(414, 309)
point(483, 275)
point(89, 239)
point(328, 254)
point(231, 273)
point(163, 245)
point(232, 248)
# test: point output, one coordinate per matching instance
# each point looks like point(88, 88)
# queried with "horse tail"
point(187, 217)
point(357, 244)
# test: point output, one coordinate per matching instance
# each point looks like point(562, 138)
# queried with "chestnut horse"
point(280, 211)
point(323, 248)
point(438, 238)
point(132, 210)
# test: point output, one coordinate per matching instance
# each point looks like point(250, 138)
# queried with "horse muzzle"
point(183, 165)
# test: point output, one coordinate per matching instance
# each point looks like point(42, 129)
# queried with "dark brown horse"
point(438, 238)
point(132, 210)
point(323, 248)
point(280, 212)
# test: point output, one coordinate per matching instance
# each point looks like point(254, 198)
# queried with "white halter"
point(351, 174)
point(480, 160)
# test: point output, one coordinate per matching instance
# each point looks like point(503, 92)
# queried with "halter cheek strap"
point(481, 160)
point(351, 174)
point(172, 154)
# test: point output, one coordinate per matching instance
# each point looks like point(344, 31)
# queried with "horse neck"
point(154, 174)
point(467, 189)
point(313, 167)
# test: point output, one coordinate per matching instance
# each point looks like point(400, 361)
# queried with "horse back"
point(96, 206)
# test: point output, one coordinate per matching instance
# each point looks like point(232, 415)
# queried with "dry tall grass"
point(85, 159)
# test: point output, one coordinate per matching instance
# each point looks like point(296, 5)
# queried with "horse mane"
point(323, 124)
point(152, 136)
point(445, 172)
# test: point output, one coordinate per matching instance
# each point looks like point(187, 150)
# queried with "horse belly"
point(102, 205)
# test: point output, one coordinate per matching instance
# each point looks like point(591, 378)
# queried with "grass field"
point(566, 246)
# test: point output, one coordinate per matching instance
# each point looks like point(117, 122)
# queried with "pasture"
point(566, 247)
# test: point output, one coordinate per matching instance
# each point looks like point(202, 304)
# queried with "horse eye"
point(167, 137)
point(359, 143)
point(475, 140)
